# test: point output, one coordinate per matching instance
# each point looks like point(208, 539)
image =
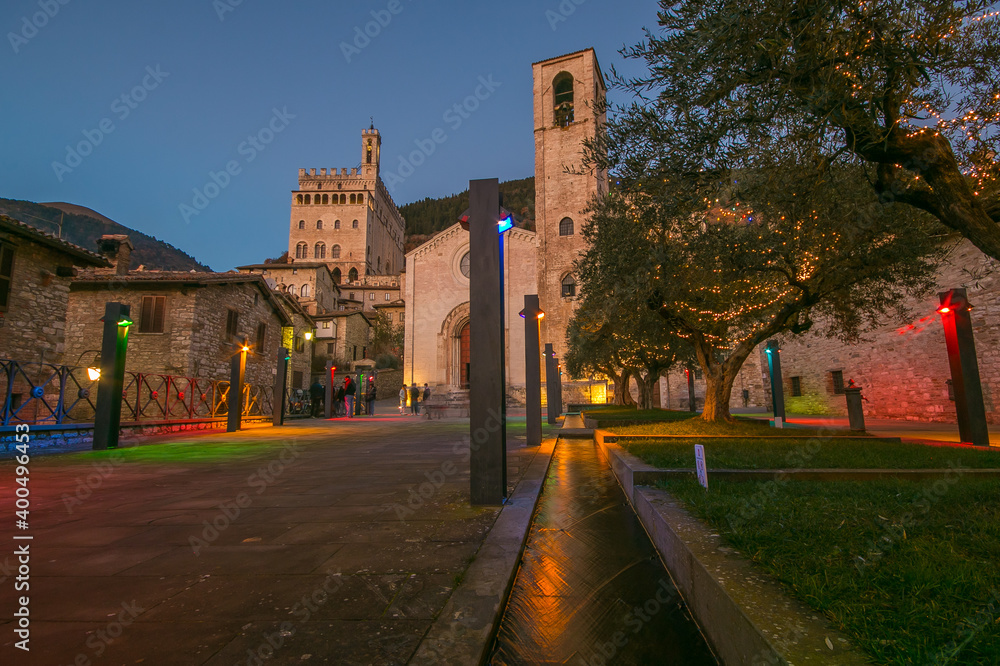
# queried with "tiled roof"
point(50, 240)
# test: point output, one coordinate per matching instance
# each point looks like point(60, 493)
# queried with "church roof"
point(455, 230)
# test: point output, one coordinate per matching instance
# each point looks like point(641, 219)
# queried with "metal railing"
point(48, 394)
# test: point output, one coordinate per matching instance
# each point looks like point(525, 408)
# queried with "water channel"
point(591, 589)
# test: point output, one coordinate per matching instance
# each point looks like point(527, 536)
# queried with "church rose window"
point(466, 264)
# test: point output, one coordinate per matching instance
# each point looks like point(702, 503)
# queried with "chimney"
point(117, 249)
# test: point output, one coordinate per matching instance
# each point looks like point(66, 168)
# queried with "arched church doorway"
point(464, 356)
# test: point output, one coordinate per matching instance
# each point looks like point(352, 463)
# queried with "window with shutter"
point(152, 314)
point(6, 274)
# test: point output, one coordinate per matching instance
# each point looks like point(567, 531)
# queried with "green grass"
point(685, 423)
point(608, 416)
point(907, 569)
point(812, 453)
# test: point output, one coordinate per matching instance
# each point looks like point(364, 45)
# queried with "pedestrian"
point(370, 396)
point(427, 394)
point(402, 400)
point(339, 401)
point(317, 396)
point(350, 393)
point(415, 400)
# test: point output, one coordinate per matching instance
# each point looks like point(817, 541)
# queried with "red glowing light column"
point(964, 367)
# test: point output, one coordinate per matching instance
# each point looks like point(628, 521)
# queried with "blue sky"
point(164, 94)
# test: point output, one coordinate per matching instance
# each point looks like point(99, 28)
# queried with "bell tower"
point(371, 148)
point(569, 94)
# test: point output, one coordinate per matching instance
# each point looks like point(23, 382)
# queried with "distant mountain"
point(429, 216)
point(84, 226)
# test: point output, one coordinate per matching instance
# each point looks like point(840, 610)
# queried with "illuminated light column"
point(114, 345)
point(237, 374)
point(961, 346)
point(532, 369)
point(553, 392)
point(777, 385)
point(487, 395)
point(280, 384)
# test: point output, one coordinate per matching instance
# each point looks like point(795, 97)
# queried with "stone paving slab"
point(321, 542)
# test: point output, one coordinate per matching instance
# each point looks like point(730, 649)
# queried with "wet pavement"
point(591, 589)
point(324, 542)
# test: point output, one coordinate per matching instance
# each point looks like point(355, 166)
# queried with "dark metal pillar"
point(692, 402)
point(237, 373)
point(777, 385)
point(532, 370)
point(328, 394)
point(961, 345)
point(855, 408)
point(553, 397)
point(114, 345)
point(280, 385)
point(487, 399)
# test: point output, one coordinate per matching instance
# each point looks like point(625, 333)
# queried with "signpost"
point(699, 463)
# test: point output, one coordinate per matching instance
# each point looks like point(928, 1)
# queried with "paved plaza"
point(319, 542)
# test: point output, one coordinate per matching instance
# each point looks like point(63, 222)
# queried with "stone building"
point(344, 337)
point(346, 218)
point(902, 367)
point(36, 270)
point(187, 324)
point(393, 311)
point(568, 91)
point(311, 283)
point(436, 334)
point(298, 338)
point(373, 291)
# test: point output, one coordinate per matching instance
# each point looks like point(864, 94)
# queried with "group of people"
point(343, 398)
point(416, 397)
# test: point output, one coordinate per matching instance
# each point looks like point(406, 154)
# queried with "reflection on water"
point(591, 589)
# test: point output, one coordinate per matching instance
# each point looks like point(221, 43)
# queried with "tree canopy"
point(907, 90)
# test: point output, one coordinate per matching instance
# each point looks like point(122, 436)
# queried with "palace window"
point(151, 316)
point(304, 291)
point(335, 254)
point(336, 224)
point(388, 296)
point(298, 199)
point(361, 198)
point(319, 224)
point(6, 274)
point(568, 287)
point(308, 198)
point(320, 251)
point(353, 275)
point(354, 198)
point(302, 224)
point(354, 224)
point(302, 251)
point(343, 198)
point(563, 86)
point(326, 198)
point(291, 290)
point(566, 227)
point(371, 296)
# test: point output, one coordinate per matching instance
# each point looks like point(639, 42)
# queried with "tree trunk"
point(623, 396)
point(646, 390)
point(719, 379)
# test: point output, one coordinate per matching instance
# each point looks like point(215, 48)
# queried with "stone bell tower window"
point(563, 87)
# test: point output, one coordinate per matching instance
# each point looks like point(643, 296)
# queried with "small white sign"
point(779, 422)
point(699, 463)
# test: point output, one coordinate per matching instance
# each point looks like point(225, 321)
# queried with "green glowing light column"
point(108, 417)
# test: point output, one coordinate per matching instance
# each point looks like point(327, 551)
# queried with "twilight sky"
point(155, 97)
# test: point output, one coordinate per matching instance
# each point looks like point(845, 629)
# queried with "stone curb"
point(746, 617)
point(463, 632)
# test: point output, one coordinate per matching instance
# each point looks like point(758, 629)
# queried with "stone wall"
point(674, 387)
point(34, 327)
point(902, 366)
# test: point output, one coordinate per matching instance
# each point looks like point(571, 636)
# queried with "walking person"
point(402, 400)
point(370, 396)
point(350, 393)
point(427, 396)
point(415, 400)
point(317, 396)
point(338, 401)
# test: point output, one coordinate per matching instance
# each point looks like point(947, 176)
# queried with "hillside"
point(426, 217)
point(83, 227)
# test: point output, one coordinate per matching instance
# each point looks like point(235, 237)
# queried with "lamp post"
point(237, 374)
point(777, 385)
point(114, 345)
point(486, 223)
point(961, 346)
point(532, 315)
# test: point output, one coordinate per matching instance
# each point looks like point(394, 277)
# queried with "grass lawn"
point(607, 416)
point(812, 453)
point(664, 422)
point(908, 569)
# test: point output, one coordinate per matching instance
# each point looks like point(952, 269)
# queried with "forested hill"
point(83, 227)
point(429, 216)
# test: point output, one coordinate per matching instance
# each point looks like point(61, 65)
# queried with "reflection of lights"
point(309, 335)
point(944, 309)
point(245, 348)
point(125, 323)
point(506, 224)
point(94, 374)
